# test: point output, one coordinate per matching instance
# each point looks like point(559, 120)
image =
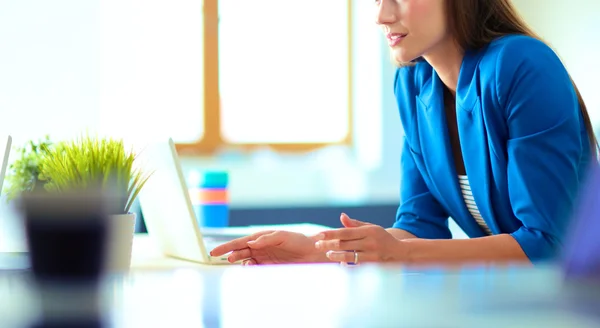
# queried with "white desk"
point(146, 256)
point(324, 296)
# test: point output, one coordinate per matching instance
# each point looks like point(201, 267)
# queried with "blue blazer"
point(524, 144)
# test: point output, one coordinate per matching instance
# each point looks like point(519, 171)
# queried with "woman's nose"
point(387, 12)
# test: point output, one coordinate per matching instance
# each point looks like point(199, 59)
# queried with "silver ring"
point(355, 257)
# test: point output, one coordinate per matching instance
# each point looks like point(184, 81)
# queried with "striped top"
point(465, 187)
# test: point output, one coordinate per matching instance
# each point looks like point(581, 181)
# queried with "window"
point(274, 75)
point(136, 69)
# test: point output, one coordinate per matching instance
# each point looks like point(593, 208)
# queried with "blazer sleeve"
point(544, 146)
point(419, 212)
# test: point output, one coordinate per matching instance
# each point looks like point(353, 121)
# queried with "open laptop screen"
point(5, 145)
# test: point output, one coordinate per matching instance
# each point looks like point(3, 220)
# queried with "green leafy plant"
point(23, 174)
point(88, 163)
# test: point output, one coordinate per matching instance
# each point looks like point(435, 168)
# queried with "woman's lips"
point(395, 38)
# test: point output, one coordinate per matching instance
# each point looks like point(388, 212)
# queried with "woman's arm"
point(400, 234)
point(372, 243)
point(420, 214)
point(492, 249)
point(546, 147)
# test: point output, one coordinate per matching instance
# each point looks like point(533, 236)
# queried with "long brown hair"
point(475, 23)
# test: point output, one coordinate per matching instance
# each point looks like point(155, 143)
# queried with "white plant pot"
point(120, 242)
point(12, 229)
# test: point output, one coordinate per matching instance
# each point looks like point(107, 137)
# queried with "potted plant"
point(24, 172)
point(88, 163)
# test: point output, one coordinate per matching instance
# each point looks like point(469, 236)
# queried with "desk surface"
point(146, 256)
point(329, 296)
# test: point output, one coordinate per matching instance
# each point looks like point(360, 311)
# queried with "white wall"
point(573, 29)
point(49, 59)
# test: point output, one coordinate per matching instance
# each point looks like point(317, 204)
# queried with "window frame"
point(212, 139)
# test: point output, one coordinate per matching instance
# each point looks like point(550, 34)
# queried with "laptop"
point(169, 216)
point(9, 260)
point(5, 154)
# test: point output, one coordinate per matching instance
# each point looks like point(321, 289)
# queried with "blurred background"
point(293, 99)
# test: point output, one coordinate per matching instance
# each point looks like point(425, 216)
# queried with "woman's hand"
point(271, 247)
point(372, 243)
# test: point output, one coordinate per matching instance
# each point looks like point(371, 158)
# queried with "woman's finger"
point(351, 223)
point(239, 255)
point(344, 234)
point(348, 257)
point(341, 245)
point(236, 244)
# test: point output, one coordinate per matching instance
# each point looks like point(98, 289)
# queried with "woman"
point(497, 137)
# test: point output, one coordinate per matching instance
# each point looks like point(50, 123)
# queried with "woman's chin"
point(402, 56)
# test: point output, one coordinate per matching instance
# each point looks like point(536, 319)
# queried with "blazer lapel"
point(473, 138)
point(435, 145)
